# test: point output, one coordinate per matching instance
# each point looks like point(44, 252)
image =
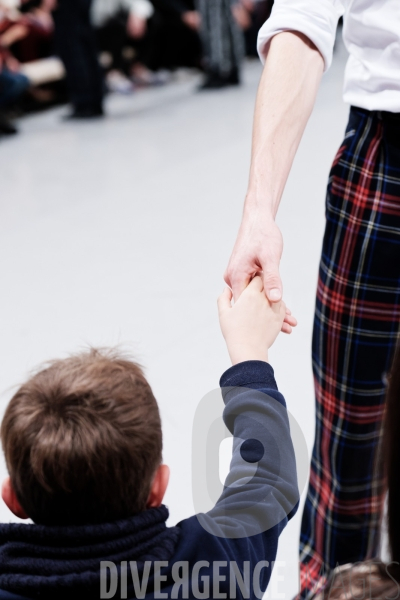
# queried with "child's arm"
point(260, 493)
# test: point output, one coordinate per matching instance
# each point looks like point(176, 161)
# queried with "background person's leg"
point(355, 330)
point(223, 43)
point(112, 38)
point(236, 45)
point(76, 46)
point(12, 86)
point(169, 43)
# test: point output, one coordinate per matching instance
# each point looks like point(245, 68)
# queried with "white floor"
point(119, 231)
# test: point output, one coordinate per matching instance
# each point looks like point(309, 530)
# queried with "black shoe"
point(6, 126)
point(89, 112)
point(215, 81)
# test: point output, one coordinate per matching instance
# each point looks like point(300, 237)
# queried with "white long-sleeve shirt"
point(371, 33)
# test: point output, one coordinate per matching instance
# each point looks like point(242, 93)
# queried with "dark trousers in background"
point(356, 329)
point(76, 46)
point(171, 44)
point(168, 43)
point(223, 41)
point(12, 86)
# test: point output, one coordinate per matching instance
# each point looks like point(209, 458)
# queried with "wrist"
point(243, 354)
point(259, 207)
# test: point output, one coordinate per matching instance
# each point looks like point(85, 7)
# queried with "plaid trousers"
point(356, 327)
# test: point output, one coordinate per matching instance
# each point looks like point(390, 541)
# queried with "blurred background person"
point(137, 42)
point(142, 37)
point(258, 12)
point(76, 46)
point(12, 83)
point(222, 22)
point(121, 28)
point(27, 29)
point(176, 35)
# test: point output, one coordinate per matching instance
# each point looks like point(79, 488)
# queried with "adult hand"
point(258, 249)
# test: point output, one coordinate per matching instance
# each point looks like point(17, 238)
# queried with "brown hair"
point(82, 440)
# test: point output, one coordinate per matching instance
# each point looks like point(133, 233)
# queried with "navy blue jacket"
point(229, 550)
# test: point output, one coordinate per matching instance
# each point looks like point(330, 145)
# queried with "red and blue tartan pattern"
point(356, 327)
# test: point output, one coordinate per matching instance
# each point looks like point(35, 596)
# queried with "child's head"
point(82, 441)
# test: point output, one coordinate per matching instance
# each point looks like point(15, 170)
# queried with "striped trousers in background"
point(223, 41)
point(356, 328)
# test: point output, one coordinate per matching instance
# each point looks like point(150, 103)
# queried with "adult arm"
point(297, 44)
point(285, 98)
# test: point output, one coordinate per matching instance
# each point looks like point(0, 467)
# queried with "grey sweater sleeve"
point(261, 489)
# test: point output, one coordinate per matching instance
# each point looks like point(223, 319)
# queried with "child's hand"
point(252, 324)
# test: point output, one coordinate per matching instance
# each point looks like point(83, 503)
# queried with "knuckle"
point(271, 275)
